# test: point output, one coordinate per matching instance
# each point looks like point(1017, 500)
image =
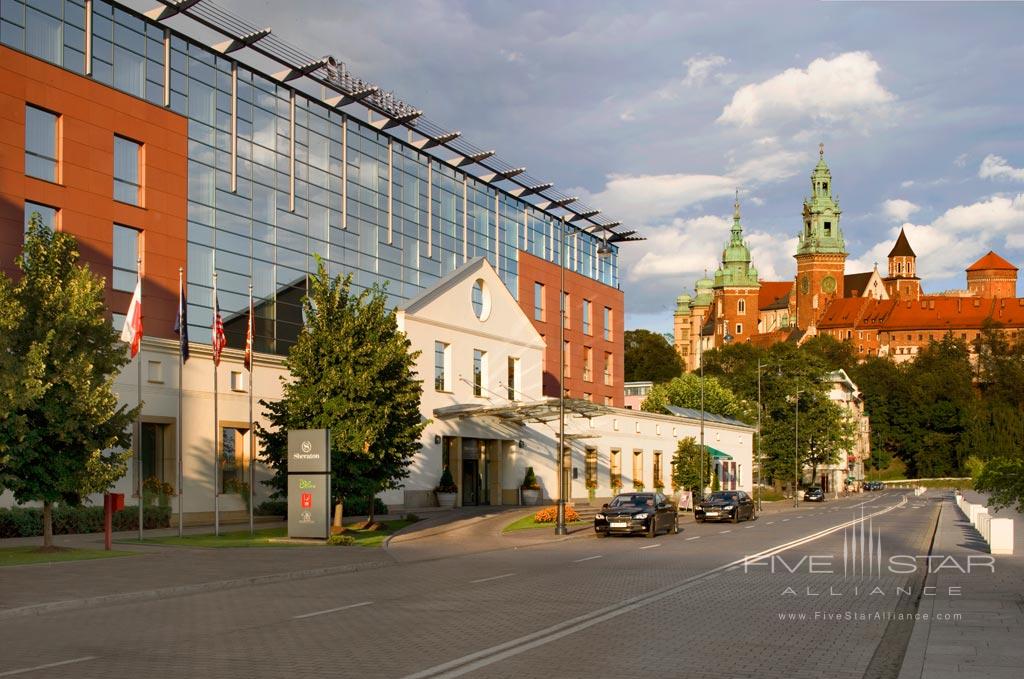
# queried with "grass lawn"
point(527, 522)
point(19, 556)
point(274, 537)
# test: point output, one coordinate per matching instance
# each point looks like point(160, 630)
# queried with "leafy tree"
point(833, 353)
point(943, 398)
point(59, 355)
point(1003, 479)
point(686, 465)
point(649, 356)
point(685, 392)
point(351, 371)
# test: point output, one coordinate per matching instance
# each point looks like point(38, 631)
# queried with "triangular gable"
point(451, 301)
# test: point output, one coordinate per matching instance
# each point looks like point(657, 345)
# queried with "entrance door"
point(470, 482)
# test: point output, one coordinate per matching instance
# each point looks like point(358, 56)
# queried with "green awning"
point(718, 454)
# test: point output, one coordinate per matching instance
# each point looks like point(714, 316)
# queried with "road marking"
point(769, 523)
point(800, 517)
point(723, 532)
point(695, 537)
point(750, 526)
point(651, 546)
point(494, 577)
point(11, 673)
point(785, 520)
point(488, 656)
point(587, 558)
point(331, 610)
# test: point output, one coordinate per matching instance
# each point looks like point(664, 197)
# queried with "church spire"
point(737, 228)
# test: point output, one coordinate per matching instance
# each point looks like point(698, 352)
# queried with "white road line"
point(800, 517)
point(587, 558)
point(651, 546)
point(769, 523)
point(695, 537)
point(495, 577)
point(508, 649)
point(723, 532)
point(750, 526)
point(331, 610)
point(11, 673)
point(785, 520)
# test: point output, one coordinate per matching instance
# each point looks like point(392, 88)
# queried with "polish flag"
point(132, 331)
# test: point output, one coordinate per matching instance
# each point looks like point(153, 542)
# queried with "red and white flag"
point(132, 331)
point(219, 340)
point(248, 340)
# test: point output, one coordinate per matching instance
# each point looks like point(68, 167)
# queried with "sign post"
point(309, 483)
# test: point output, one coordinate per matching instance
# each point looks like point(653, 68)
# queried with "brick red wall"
point(89, 115)
point(532, 270)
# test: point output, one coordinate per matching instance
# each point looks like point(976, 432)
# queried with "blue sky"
point(655, 112)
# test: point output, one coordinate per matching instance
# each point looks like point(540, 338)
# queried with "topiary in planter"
point(447, 483)
point(530, 480)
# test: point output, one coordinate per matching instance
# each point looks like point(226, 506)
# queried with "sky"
point(656, 112)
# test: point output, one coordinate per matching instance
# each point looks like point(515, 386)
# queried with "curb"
point(184, 590)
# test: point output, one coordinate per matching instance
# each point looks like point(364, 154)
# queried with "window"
point(590, 474)
point(638, 468)
point(741, 306)
point(234, 450)
point(615, 469)
point(126, 258)
point(40, 144)
point(565, 308)
point(607, 324)
point(586, 317)
point(588, 364)
point(479, 372)
point(828, 229)
point(514, 385)
point(481, 300)
point(47, 214)
point(608, 400)
point(567, 365)
point(538, 301)
point(609, 375)
point(739, 329)
point(442, 366)
point(237, 380)
point(657, 468)
point(156, 448)
point(587, 396)
point(155, 372)
point(824, 187)
point(127, 182)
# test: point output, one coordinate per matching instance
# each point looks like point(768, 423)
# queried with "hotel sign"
point(309, 451)
point(309, 483)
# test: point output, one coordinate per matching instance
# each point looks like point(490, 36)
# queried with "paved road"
point(676, 605)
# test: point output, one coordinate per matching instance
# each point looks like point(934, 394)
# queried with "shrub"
point(412, 518)
point(23, 522)
point(360, 507)
point(530, 480)
point(447, 483)
point(272, 508)
point(339, 539)
point(550, 515)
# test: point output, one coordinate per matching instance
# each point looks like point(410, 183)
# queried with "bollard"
point(984, 521)
point(1001, 536)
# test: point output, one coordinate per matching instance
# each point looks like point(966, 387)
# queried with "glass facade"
point(40, 144)
point(277, 178)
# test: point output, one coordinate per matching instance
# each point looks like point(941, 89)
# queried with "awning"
point(718, 454)
point(521, 413)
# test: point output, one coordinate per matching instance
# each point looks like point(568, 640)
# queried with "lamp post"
point(796, 449)
point(760, 468)
point(563, 490)
point(726, 338)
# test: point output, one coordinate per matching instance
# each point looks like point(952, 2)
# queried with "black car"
point(874, 485)
point(814, 494)
point(646, 513)
point(730, 505)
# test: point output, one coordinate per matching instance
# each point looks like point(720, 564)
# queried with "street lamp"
point(796, 449)
point(760, 467)
point(603, 250)
point(703, 451)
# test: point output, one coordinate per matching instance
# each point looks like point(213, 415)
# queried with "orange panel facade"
point(89, 116)
point(579, 379)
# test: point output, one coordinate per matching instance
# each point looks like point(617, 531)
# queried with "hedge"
point(23, 522)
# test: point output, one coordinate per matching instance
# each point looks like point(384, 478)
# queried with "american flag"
point(219, 340)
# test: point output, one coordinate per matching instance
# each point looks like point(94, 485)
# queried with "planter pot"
point(531, 497)
point(446, 500)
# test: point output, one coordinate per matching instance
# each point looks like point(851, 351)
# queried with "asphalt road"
point(720, 600)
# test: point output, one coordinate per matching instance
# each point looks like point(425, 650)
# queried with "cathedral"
point(879, 315)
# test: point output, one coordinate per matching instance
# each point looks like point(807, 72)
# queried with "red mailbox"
point(116, 502)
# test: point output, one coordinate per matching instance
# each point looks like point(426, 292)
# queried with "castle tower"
point(700, 307)
point(992, 276)
point(902, 281)
point(821, 253)
point(736, 288)
point(681, 328)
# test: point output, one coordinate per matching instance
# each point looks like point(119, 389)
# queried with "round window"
point(481, 300)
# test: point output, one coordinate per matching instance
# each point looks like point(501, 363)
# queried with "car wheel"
point(736, 515)
point(653, 530)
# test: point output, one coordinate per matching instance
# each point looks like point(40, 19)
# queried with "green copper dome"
point(704, 292)
point(683, 305)
point(736, 270)
point(821, 232)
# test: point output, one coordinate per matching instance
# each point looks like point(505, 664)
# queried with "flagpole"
point(216, 432)
point(182, 333)
point(250, 341)
point(138, 422)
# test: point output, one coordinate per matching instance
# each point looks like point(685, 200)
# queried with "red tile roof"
point(991, 261)
point(928, 313)
point(774, 294)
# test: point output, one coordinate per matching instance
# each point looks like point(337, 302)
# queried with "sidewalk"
point(986, 640)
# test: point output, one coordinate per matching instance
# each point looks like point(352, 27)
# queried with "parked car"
point(646, 513)
point(729, 505)
point(814, 494)
point(874, 485)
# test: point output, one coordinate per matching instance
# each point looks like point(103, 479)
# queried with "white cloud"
point(643, 199)
point(961, 160)
point(899, 210)
point(772, 167)
point(700, 68)
point(828, 89)
point(772, 255)
point(996, 167)
point(511, 55)
point(681, 249)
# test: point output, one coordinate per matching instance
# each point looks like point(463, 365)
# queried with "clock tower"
point(821, 253)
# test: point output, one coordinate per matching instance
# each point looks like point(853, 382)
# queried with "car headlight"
point(641, 516)
point(727, 507)
point(598, 516)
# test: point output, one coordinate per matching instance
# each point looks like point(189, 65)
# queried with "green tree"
point(59, 355)
point(649, 357)
point(685, 392)
point(686, 465)
point(351, 371)
point(1003, 479)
